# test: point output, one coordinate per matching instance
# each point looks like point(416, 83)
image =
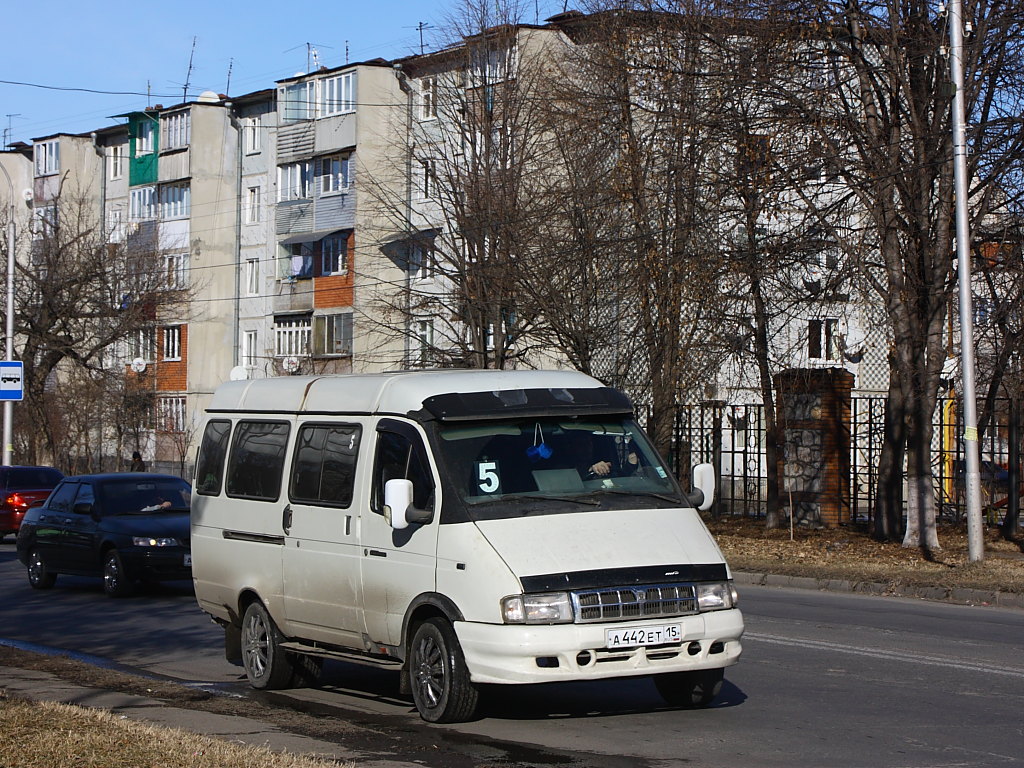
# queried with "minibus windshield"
point(553, 457)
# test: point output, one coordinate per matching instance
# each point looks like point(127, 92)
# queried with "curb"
point(942, 594)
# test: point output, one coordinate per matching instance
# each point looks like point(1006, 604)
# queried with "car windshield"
point(553, 458)
point(144, 496)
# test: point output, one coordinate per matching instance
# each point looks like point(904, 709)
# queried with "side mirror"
point(703, 494)
point(398, 508)
point(82, 508)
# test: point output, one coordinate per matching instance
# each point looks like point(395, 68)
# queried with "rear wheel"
point(39, 576)
point(438, 675)
point(267, 665)
point(115, 579)
point(690, 689)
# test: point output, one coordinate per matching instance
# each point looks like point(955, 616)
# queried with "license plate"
point(636, 636)
point(188, 560)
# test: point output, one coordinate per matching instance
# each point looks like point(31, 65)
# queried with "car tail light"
point(16, 501)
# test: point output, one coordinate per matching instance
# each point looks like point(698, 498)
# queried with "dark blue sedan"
point(123, 527)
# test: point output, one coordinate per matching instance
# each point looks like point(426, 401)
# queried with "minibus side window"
point(212, 452)
point(403, 457)
point(325, 464)
point(257, 460)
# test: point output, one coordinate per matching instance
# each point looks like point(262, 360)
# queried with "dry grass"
point(64, 736)
point(853, 555)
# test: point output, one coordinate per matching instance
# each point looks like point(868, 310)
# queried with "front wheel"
point(115, 580)
point(39, 576)
point(440, 682)
point(267, 665)
point(690, 689)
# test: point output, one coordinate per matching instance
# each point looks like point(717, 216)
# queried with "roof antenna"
point(231, 64)
point(188, 75)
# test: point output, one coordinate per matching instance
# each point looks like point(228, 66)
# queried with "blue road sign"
point(12, 380)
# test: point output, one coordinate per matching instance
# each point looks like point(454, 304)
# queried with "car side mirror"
point(703, 494)
point(398, 508)
point(82, 508)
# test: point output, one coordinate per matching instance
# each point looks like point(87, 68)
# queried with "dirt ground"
point(851, 554)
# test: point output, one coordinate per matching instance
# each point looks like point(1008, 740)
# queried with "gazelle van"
point(462, 527)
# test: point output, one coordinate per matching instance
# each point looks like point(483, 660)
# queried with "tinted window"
point(402, 456)
point(257, 459)
point(63, 498)
point(33, 477)
point(133, 494)
point(325, 464)
point(212, 452)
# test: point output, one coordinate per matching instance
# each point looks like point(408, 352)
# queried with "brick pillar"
point(813, 411)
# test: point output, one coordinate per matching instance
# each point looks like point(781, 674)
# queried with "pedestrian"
point(138, 465)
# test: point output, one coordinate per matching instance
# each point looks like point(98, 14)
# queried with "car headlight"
point(547, 608)
point(148, 541)
point(716, 596)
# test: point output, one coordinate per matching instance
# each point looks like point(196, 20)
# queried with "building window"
point(144, 141)
point(427, 185)
point(251, 134)
point(424, 333)
point(47, 157)
point(176, 269)
point(116, 232)
point(823, 339)
point(172, 414)
point(142, 345)
point(142, 204)
point(172, 342)
point(332, 174)
point(337, 94)
point(249, 356)
point(293, 181)
point(298, 102)
point(44, 219)
point(332, 334)
point(252, 277)
point(421, 262)
point(116, 161)
point(252, 206)
point(175, 130)
point(292, 336)
point(175, 200)
point(297, 262)
point(333, 255)
point(428, 98)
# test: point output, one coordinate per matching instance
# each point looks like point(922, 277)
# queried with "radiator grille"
point(628, 603)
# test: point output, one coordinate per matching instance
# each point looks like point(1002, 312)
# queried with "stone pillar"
point(813, 412)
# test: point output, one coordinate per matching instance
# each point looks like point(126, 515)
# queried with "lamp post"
point(9, 337)
point(972, 485)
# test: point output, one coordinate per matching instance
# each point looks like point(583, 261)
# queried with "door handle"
point(286, 519)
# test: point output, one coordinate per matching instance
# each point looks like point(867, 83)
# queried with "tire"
point(438, 676)
point(690, 689)
point(267, 665)
point(39, 576)
point(116, 582)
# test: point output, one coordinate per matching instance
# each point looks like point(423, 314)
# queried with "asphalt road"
point(825, 680)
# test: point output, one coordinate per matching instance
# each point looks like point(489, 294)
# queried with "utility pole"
point(972, 485)
point(8, 430)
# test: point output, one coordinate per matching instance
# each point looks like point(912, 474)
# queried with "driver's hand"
point(601, 468)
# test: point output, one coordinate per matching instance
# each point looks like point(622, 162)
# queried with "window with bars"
point(171, 413)
point(175, 130)
point(292, 335)
point(172, 342)
point(142, 344)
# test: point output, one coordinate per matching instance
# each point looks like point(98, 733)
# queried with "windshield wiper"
point(653, 494)
point(543, 497)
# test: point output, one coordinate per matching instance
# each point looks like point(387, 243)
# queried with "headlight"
point(146, 541)
point(548, 608)
point(716, 596)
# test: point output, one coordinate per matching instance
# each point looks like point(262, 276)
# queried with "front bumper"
point(157, 563)
point(516, 653)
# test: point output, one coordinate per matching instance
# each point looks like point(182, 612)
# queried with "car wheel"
point(438, 676)
point(690, 689)
point(115, 579)
point(267, 665)
point(39, 576)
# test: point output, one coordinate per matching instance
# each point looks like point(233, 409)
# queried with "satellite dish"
point(290, 363)
point(239, 373)
point(138, 365)
point(27, 194)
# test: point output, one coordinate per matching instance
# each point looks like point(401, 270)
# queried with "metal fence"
point(732, 438)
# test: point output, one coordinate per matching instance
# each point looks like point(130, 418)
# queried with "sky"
point(131, 49)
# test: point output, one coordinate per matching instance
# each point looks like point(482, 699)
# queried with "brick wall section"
point(172, 375)
point(814, 418)
point(336, 290)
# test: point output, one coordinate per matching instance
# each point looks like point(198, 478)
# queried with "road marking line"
point(935, 661)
